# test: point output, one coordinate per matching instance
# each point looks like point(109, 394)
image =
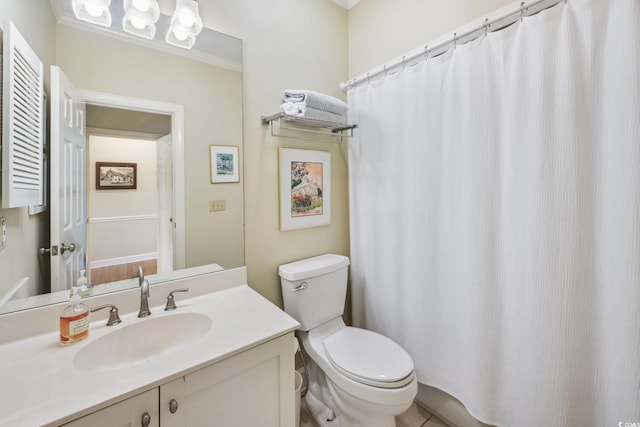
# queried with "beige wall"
point(383, 30)
point(26, 234)
point(286, 44)
point(213, 115)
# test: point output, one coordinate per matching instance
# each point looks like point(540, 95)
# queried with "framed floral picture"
point(224, 164)
point(305, 188)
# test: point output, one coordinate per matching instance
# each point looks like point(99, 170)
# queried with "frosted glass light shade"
point(147, 9)
point(139, 27)
point(94, 11)
point(140, 17)
point(180, 36)
point(185, 24)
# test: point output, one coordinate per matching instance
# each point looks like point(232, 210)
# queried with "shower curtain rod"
point(525, 9)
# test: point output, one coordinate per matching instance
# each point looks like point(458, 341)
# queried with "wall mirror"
point(123, 224)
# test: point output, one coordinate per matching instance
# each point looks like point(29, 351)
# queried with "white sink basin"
point(142, 341)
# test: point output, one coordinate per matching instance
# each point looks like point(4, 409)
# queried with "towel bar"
point(335, 131)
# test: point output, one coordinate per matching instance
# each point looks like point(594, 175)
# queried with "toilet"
point(357, 378)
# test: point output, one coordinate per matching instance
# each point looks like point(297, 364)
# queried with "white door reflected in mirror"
point(68, 181)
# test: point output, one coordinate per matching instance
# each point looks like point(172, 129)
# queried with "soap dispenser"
point(74, 320)
point(85, 288)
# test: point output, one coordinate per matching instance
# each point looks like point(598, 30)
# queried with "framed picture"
point(116, 176)
point(224, 164)
point(305, 188)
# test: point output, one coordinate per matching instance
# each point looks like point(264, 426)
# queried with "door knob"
point(70, 248)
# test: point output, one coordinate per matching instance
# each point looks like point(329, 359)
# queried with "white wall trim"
point(122, 218)
point(176, 111)
point(131, 134)
point(20, 290)
point(122, 260)
point(347, 4)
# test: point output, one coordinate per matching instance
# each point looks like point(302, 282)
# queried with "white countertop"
point(41, 386)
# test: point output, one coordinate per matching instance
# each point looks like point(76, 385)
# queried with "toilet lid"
point(369, 358)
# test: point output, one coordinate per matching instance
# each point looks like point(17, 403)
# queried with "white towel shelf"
point(289, 126)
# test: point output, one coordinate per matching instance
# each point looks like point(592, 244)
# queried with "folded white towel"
point(299, 109)
point(316, 100)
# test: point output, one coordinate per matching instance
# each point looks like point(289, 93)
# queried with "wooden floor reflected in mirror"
point(114, 273)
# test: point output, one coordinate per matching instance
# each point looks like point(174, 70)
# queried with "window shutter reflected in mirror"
point(22, 119)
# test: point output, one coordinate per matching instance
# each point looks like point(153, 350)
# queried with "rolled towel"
point(299, 109)
point(316, 100)
point(318, 410)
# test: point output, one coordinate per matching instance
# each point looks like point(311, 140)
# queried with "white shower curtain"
point(495, 217)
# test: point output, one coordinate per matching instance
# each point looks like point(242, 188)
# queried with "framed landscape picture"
point(224, 164)
point(116, 176)
point(305, 188)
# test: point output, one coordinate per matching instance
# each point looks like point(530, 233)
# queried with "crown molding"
point(347, 4)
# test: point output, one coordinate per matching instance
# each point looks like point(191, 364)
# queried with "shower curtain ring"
point(404, 62)
point(368, 78)
point(486, 26)
point(384, 70)
point(455, 40)
point(523, 9)
point(426, 53)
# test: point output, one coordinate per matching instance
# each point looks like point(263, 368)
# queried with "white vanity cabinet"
point(130, 412)
point(238, 371)
point(252, 388)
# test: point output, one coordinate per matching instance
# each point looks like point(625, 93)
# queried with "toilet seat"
point(369, 358)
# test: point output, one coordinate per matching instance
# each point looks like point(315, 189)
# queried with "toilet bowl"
point(363, 378)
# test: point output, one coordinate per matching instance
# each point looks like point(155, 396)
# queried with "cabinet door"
point(128, 413)
point(252, 388)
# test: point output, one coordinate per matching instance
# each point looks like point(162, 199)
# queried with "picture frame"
point(224, 164)
point(116, 176)
point(305, 188)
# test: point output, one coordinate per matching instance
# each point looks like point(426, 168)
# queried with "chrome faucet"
point(144, 294)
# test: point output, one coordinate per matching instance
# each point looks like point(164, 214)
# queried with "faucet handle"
point(114, 318)
point(171, 304)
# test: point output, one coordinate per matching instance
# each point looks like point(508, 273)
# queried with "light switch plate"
point(217, 205)
point(3, 231)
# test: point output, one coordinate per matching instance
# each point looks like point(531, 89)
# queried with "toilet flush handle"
point(301, 287)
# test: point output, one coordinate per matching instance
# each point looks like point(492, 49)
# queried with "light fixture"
point(140, 17)
point(94, 11)
point(185, 25)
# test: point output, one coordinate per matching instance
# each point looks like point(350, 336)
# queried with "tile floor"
point(415, 416)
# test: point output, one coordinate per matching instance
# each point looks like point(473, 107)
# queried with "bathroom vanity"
point(225, 356)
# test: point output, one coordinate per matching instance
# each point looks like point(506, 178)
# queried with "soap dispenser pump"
point(74, 320)
point(84, 287)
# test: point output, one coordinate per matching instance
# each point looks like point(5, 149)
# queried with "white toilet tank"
point(314, 289)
